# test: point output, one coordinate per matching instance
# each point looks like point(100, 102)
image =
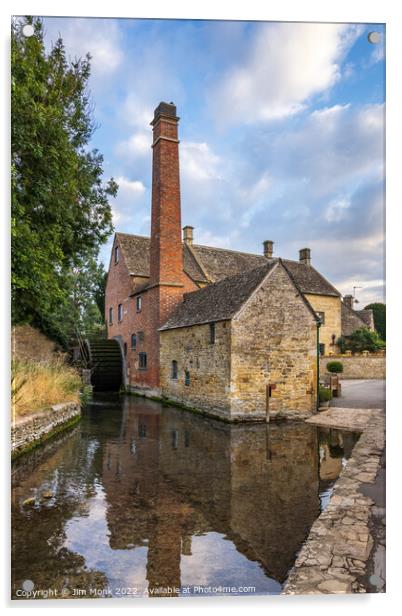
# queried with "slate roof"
point(351, 320)
point(207, 264)
point(218, 301)
point(367, 316)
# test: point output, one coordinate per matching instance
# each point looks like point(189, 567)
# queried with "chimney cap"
point(165, 109)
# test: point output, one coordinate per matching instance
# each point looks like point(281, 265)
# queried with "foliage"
point(35, 386)
point(335, 367)
point(324, 394)
point(364, 339)
point(60, 211)
point(379, 314)
point(341, 343)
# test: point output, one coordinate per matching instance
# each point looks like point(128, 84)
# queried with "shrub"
point(336, 367)
point(324, 394)
point(35, 386)
point(364, 339)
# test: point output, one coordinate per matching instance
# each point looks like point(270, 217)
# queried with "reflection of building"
point(256, 485)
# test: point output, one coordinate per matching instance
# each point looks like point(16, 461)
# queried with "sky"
point(281, 133)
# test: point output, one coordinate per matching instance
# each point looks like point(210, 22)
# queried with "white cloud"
point(198, 162)
point(99, 37)
point(138, 145)
point(337, 210)
point(285, 65)
point(130, 186)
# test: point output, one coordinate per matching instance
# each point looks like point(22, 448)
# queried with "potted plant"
point(335, 367)
point(324, 397)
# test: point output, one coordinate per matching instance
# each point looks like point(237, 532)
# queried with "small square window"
point(133, 341)
point(116, 255)
point(110, 316)
point(187, 377)
point(321, 316)
point(120, 312)
point(139, 303)
point(142, 361)
point(212, 333)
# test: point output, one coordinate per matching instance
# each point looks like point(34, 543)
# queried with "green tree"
point(60, 211)
point(379, 313)
point(363, 339)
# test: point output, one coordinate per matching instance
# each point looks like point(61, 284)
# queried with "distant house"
point(167, 298)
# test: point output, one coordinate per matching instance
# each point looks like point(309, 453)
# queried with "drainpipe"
point(318, 365)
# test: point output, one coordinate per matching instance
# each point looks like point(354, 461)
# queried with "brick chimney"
point(268, 249)
point(348, 301)
point(188, 235)
point(166, 266)
point(305, 256)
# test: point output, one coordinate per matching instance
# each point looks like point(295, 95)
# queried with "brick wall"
point(358, 366)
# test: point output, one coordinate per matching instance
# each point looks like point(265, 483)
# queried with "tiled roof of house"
point(367, 316)
point(218, 301)
point(351, 320)
point(208, 264)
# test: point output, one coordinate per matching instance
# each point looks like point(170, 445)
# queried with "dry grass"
point(36, 386)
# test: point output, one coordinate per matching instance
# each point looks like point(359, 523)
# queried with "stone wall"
point(274, 343)
point(357, 366)
point(29, 344)
point(208, 365)
point(331, 306)
point(30, 430)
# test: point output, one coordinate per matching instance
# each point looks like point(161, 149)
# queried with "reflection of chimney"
point(188, 235)
point(268, 249)
point(305, 256)
point(348, 301)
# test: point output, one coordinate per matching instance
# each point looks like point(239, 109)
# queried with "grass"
point(35, 386)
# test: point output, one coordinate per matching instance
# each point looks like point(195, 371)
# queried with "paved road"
point(363, 394)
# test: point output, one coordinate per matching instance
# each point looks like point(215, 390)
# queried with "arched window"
point(174, 370)
point(134, 341)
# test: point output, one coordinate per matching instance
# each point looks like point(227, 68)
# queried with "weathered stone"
point(335, 586)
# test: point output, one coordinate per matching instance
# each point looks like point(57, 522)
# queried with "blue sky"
point(282, 133)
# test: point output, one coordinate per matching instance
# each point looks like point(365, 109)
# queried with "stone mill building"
point(230, 333)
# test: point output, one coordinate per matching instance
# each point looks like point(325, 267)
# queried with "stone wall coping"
point(335, 555)
point(24, 419)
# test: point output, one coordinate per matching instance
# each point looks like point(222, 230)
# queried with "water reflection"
point(155, 500)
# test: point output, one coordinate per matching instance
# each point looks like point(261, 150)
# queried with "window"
point(142, 430)
point(322, 349)
point(175, 439)
point(174, 370)
point(333, 338)
point(133, 341)
point(125, 349)
point(110, 316)
point(116, 255)
point(186, 439)
point(142, 361)
point(120, 312)
point(187, 377)
point(321, 316)
point(139, 303)
point(212, 333)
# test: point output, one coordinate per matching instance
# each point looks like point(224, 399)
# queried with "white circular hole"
point(28, 30)
point(374, 37)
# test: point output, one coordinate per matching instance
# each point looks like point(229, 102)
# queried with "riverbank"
point(337, 555)
point(29, 431)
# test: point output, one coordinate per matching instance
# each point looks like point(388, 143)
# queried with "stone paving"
point(335, 555)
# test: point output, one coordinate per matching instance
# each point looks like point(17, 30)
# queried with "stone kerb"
point(335, 555)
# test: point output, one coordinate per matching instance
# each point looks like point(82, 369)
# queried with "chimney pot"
point(188, 235)
point(268, 249)
point(348, 301)
point(305, 256)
